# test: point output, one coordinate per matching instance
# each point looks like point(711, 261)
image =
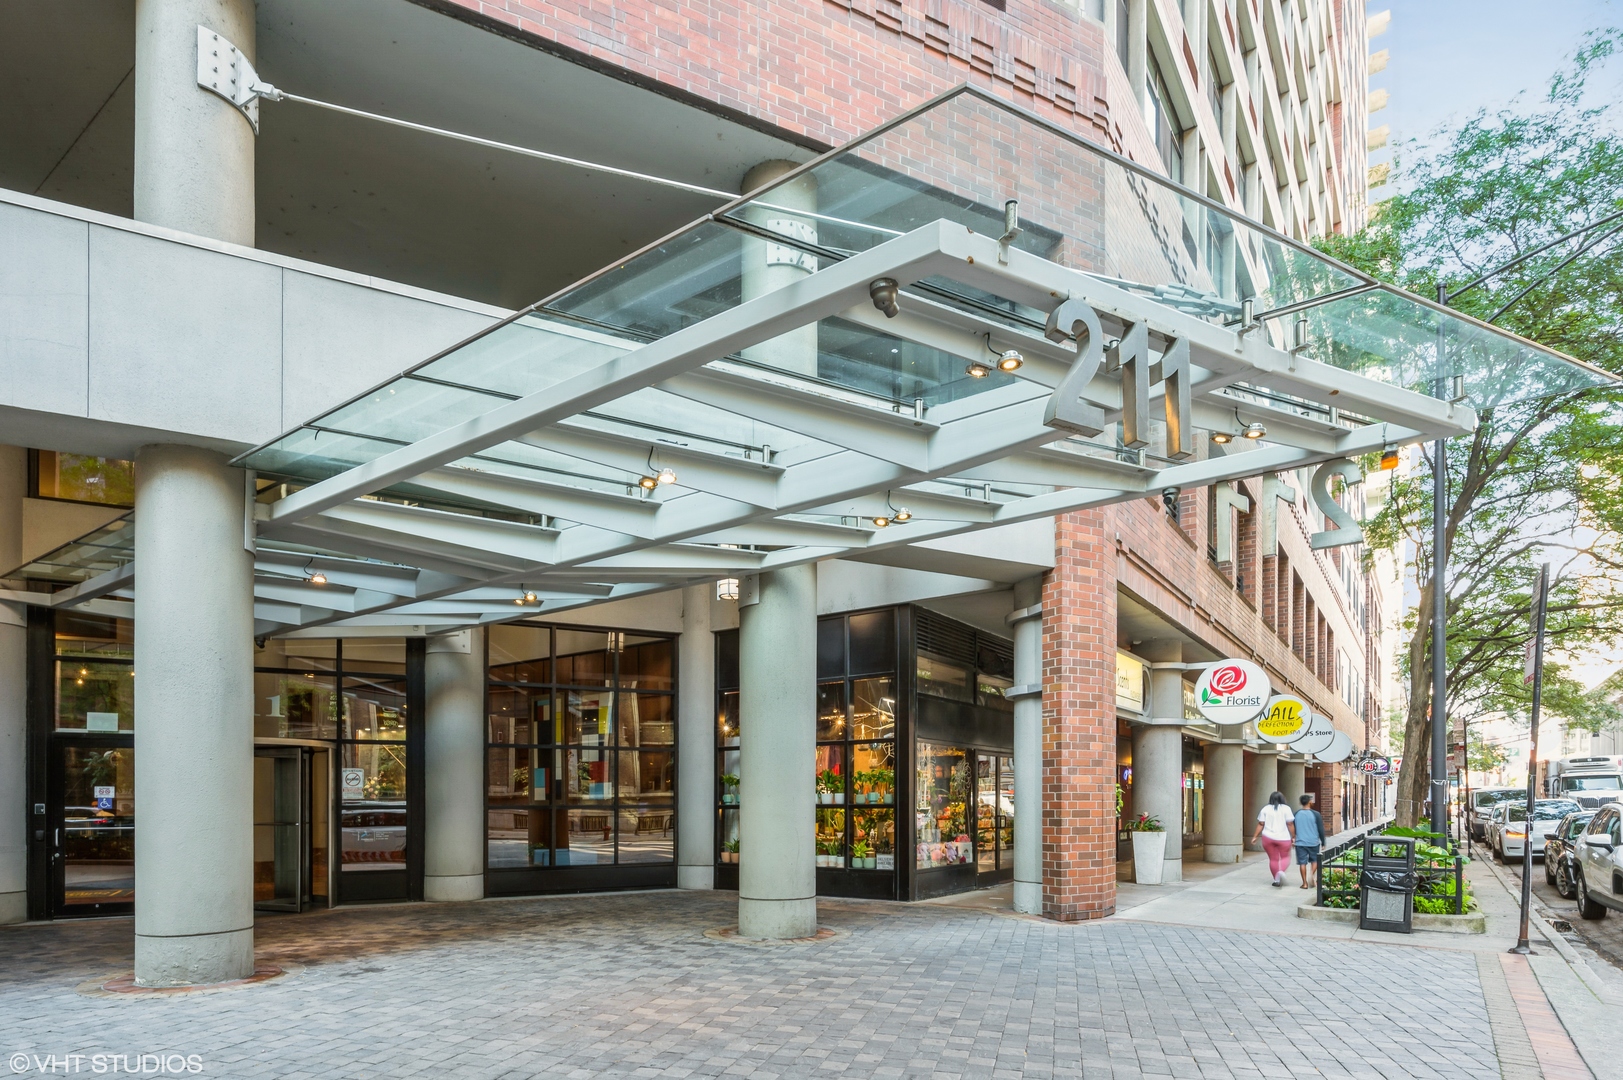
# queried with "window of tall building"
point(1121, 32)
point(1214, 87)
point(80, 478)
point(1162, 120)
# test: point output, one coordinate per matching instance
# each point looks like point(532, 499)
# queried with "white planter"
point(1149, 856)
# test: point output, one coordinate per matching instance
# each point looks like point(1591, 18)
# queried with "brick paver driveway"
point(628, 985)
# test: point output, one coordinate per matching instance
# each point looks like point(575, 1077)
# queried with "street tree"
point(1539, 480)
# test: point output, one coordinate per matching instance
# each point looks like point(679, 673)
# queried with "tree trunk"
point(1414, 777)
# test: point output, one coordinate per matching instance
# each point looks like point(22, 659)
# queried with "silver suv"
point(1598, 869)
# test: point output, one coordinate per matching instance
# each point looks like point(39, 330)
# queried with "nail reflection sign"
point(1285, 718)
point(1232, 691)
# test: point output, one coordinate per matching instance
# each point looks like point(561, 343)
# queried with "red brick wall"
point(1079, 722)
point(830, 70)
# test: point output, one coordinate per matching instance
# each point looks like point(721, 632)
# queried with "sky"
point(1451, 57)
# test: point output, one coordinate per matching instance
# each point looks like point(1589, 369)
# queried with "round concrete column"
point(454, 767)
point(194, 731)
point(1262, 781)
point(13, 764)
point(194, 152)
point(1158, 753)
point(1292, 781)
point(768, 266)
point(1225, 798)
point(777, 707)
point(1028, 747)
point(696, 743)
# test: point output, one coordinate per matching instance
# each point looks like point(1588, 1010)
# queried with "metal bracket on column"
point(1035, 611)
point(749, 590)
point(224, 69)
point(1024, 690)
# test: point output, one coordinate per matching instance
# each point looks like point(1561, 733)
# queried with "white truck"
point(1591, 782)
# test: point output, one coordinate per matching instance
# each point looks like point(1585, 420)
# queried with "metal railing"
point(1339, 867)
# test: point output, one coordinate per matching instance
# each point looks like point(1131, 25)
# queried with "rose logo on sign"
point(1231, 691)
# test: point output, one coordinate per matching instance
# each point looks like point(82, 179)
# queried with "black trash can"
point(1386, 885)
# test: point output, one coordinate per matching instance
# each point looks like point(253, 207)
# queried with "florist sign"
point(1231, 691)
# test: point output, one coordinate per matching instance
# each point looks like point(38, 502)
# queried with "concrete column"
point(1028, 747)
point(1225, 798)
point(768, 267)
point(777, 680)
point(194, 152)
point(1262, 782)
point(1292, 781)
point(194, 735)
point(696, 743)
point(13, 702)
point(454, 767)
point(1158, 753)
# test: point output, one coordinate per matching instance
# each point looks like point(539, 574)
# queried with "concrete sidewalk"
point(1553, 1014)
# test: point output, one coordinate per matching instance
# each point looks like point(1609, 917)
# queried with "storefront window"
point(95, 673)
point(80, 478)
point(943, 788)
point(581, 767)
point(940, 678)
point(873, 708)
point(288, 705)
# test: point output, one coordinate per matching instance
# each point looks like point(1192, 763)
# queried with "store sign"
point(104, 797)
point(1129, 682)
point(1286, 718)
point(1317, 738)
point(352, 782)
point(1231, 691)
point(1340, 749)
point(1372, 764)
point(101, 721)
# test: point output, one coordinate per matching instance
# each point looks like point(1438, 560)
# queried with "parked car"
point(1560, 850)
point(1483, 800)
point(1509, 829)
point(1598, 881)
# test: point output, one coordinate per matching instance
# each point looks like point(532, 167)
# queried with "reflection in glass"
point(298, 654)
point(873, 711)
point(375, 709)
point(873, 637)
point(375, 656)
point(80, 478)
point(94, 695)
point(518, 838)
point(373, 818)
point(520, 715)
point(646, 663)
point(520, 653)
point(590, 839)
point(587, 775)
point(294, 706)
point(985, 813)
point(1005, 809)
point(942, 794)
point(940, 678)
point(646, 720)
point(588, 718)
point(830, 711)
point(727, 719)
point(518, 775)
point(584, 658)
point(992, 689)
point(648, 774)
point(98, 825)
point(646, 833)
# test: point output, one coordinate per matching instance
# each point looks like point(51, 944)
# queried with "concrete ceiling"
point(379, 200)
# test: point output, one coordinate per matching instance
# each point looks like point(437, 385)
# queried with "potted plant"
point(862, 855)
point(1149, 849)
point(729, 789)
point(884, 781)
point(729, 851)
point(859, 787)
point(828, 854)
point(830, 788)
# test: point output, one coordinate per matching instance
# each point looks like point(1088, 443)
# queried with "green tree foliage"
point(1540, 479)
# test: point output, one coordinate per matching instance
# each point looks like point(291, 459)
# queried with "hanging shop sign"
point(1373, 764)
point(1340, 749)
point(1232, 691)
point(1285, 718)
point(1317, 738)
point(1129, 682)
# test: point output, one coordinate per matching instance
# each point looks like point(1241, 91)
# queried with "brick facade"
point(1079, 722)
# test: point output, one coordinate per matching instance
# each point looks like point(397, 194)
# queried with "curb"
point(1439, 924)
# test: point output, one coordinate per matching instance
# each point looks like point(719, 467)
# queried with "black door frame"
point(56, 823)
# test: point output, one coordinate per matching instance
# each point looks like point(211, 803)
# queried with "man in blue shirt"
point(1309, 838)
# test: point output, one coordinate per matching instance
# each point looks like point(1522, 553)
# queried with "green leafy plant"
point(828, 780)
point(1145, 823)
point(729, 780)
point(861, 849)
point(730, 846)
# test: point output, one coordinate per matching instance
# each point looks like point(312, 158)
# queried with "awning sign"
point(353, 784)
point(1231, 691)
point(1285, 719)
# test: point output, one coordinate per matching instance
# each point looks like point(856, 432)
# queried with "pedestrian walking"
point(1309, 839)
point(1277, 827)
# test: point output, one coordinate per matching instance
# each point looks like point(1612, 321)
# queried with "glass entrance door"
point(93, 834)
point(280, 850)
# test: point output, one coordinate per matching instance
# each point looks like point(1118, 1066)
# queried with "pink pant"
point(1279, 855)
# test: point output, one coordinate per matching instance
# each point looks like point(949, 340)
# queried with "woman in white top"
point(1277, 827)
